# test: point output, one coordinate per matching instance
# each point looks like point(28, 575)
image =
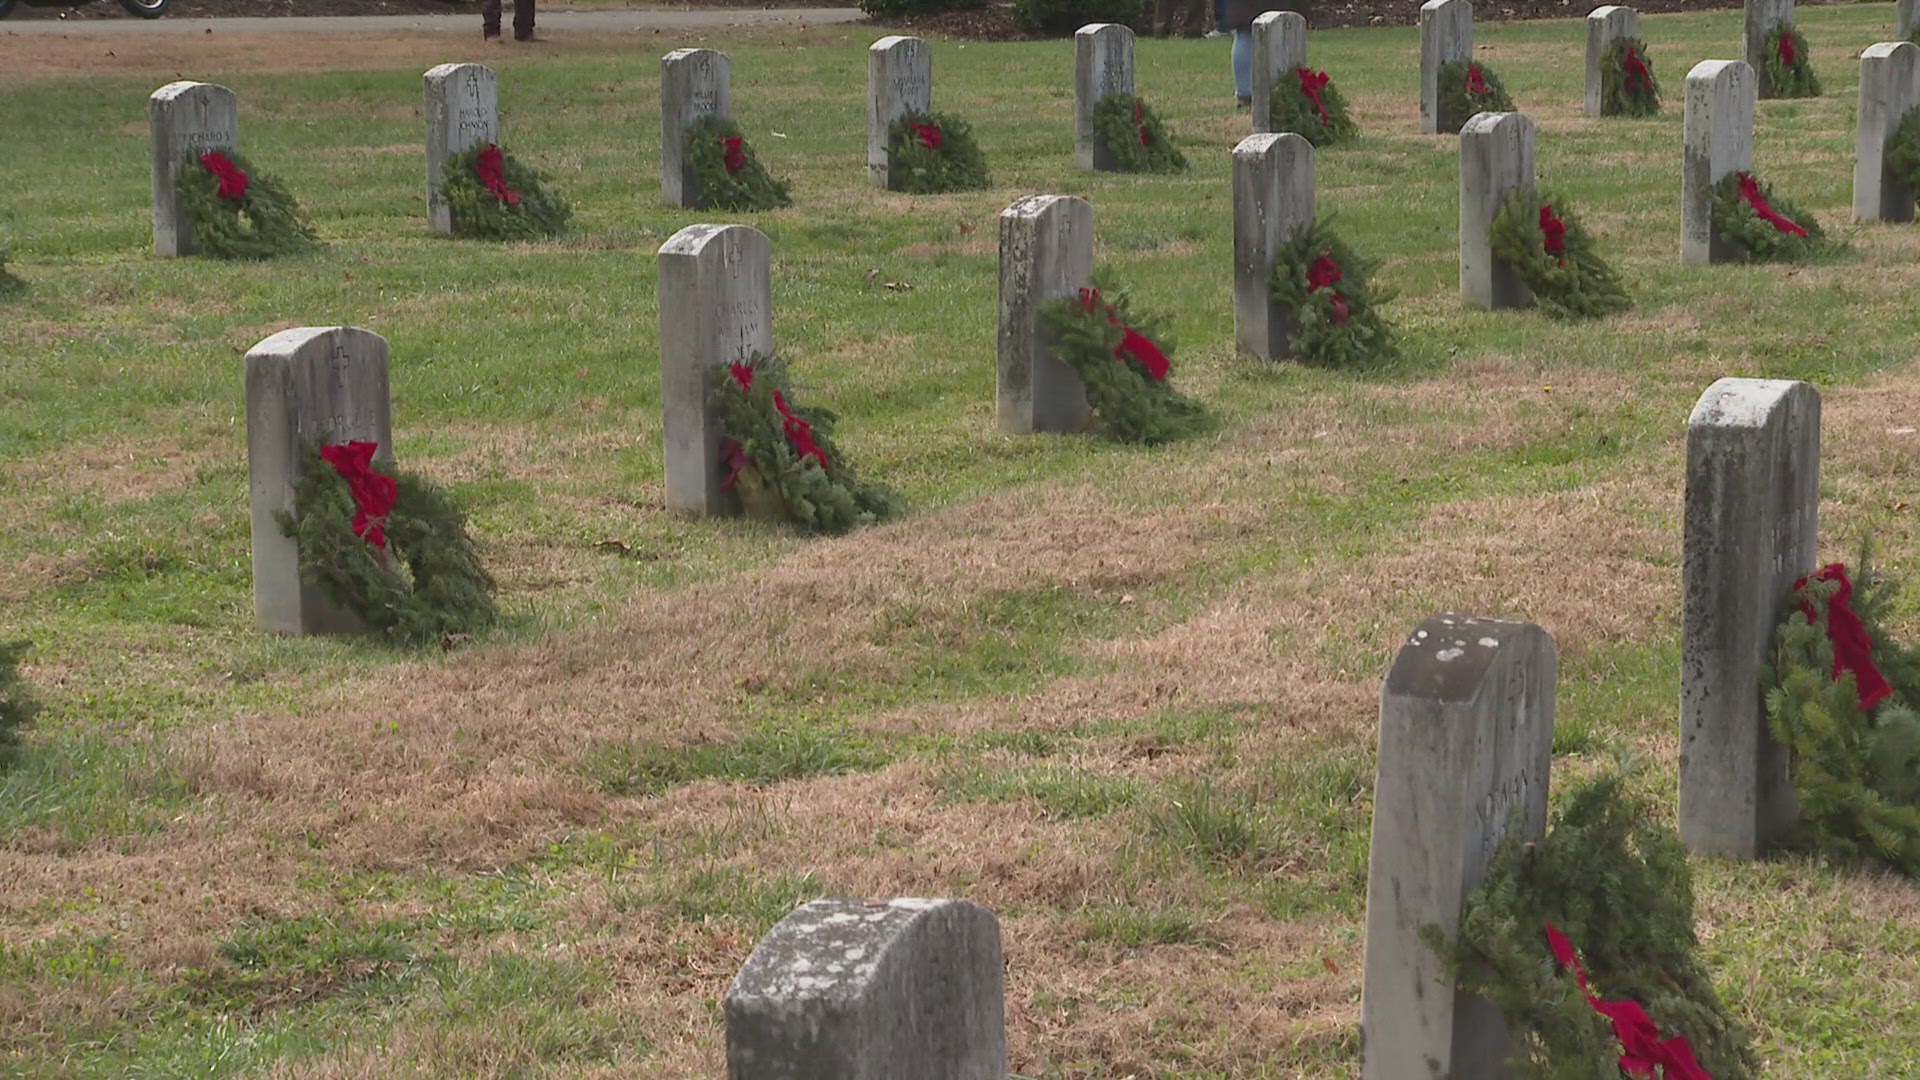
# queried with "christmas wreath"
point(1124, 366)
point(781, 459)
point(1466, 89)
point(238, 213)
point(1310, 105)
point(389, 546)
point(1753, 226)
point(1903, 150)
point(1627, 85)
point(1536, 234)
point(1134, 136)
point(1841, 694)
point(1335, 306)
point(491, 196)
point(1609, 881)
point(731, 177)
point(932, 152)
point(1785, 57)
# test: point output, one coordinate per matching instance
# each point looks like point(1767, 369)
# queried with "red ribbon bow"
point(1140, 124)
point(1322, 275)
point(1555, 232)
point(1476, 84)
point(930, 135)
point(493, 173)
point(1750, 194)
point(1132, 342)
point(1311, 83)
point(736, 158)
point(1637, 74)
point(799, 433)
point(734, 457)
point(742, 374)
point(1640, 1043)
point(374, 493)
point(1852, 650)
point(233, 181)
point(1788, 54)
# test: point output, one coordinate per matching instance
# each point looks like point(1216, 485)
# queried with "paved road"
point(30, 21)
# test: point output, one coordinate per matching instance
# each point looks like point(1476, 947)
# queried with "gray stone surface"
point(463, 111)
point(1046, 252)
point(187, 119)
point(1466, 742)
point(899, 81)
point(1605, 25)
point(694, 83)
point(309, 386)
point(1272, 200)
point(1889, 86)
point(1761, 17)
point(1102, 65)
point(1279, 52)
point(716, 307)
point(1751, 527)
point(1717, 138)
point(1496, 156)
point(1906, 19)
point(872, 990)
point(1446, 35)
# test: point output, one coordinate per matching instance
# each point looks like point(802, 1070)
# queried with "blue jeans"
point(1242, 64)
point(1220, 15)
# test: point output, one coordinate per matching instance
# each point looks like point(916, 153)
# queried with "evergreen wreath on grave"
point(1537, 234)
point(731, 176)
point(1610, 882)
point(392, 547)
point(1311, 106)
point(18, 706)
point(1124, 365)
point(928, 153)
point(1755, 226)
point(1135, 137)
point(1627, 84)
point(1903, 150)
point(1466, 89)
point(1841, 695)
point(1788, 64)
point(239, 213)
point(492, 196)
point(1335, 305)
point(781, 458)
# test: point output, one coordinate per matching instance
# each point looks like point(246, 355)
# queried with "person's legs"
point(490, 19)
point(1219, 19)
point(522, 19)
point(1243, 66)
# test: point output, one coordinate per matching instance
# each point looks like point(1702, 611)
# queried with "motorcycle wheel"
point(146, 9)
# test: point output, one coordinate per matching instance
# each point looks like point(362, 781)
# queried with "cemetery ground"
point(1125, 698)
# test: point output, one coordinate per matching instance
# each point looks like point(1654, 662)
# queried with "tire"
point(146, 9)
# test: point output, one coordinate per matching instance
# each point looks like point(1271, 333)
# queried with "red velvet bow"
point(1476, 84)
point(493, 173)
point(374, 493)
point(799, 432)
point(1322, 275)
point(736, 158)
point(1640, 1044)
point(1852, 650)
point(1132, 342)
point(734, 457)
point(233, 181)
point(1311, 83)
point(1788, 54)
point(930, 135)
point(1637, 74)
point(742, 374)
point(1750, 194)
point(1555, 232)
point(1140, 124)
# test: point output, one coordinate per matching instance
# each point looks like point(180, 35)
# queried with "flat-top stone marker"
point(1446, 36)
point(716, 307)
point(1496, 156)
point(1279, 52)
point(899, 81)
point(694, 83)
point(1751, 528)
point(1102, 65)
point(1046, 252)
point(1889, 86)
point(312, 385)
point(463, 111)
point(1717, 136)
point(1272, 201)
point(872, 990)
point(1761, 17)
point(1466, 742)
point(1605, 25)
point(187, 119)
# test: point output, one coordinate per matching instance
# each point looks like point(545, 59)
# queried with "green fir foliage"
point(17, 704)
point(913, 166)
point(1135, 137)
point(1741, 234)
point(1903, 150)
point(9, 284)
point(1784, 80)
point(777, 483)
point(1128, 404)
point(749, 187)
point(263, 223)
point(1364, 336)
point(1577, 284)
point(1457, 104)
point(1290, 109)
point(480, 215)
point(1620, 95)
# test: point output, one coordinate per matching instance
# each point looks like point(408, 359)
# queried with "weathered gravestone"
point(1046, 252)
point(1751, 527)
point(899, 81)
point(188, 119)
point(694, 83)
point(1102, 65)
point(463, 111)
point(1718, 139)
point(1466, 742)
point(1272, 200)
point(306, 387)
point(1496, 156)
point(1761, 17)
point(1605, 25)
point(1279, 52)
point(716, 307)
point(872, 990)
point(1889, 86)
point(1906, 19)
point(1446, 37)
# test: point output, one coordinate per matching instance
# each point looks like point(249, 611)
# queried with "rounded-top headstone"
point(1446, 36)
point(1717, 139)
point(694, 83)
point(1605, 25)
point(463, 111)
point(1272, 201)
point(1046, 252)
point(1496, 156)
point(187, 119)
point(1279, 52)
point(1889, 86)
point(899, 81)
point(1102, 65)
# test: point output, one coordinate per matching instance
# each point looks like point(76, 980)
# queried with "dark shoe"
point(490, 35)
point(1243, 102)
point(525, 35)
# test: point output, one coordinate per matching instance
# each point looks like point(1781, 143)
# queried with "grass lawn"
point(1125, 698)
